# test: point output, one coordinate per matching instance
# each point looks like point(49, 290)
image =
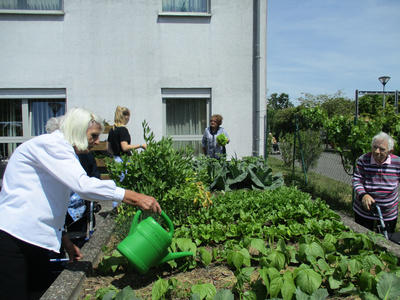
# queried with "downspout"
point(256, 78)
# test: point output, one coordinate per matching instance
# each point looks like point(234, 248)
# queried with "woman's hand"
point(367, 201)
point(144, 202)
point(73, 251)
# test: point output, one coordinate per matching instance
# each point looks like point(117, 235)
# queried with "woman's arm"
point(142, 201)
point(126, 147)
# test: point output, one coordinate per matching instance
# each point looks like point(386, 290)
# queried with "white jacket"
point(36, 186)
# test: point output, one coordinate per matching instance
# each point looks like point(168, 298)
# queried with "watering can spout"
point(172, 256)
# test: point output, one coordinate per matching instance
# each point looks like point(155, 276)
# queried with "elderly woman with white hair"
point(376, 181)
point(35, 195)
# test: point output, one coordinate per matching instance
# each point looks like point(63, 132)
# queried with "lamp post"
point(384, 80)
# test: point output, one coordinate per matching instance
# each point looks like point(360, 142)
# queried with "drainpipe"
point(256, 77)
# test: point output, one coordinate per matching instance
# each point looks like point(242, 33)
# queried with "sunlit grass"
point(336, 194)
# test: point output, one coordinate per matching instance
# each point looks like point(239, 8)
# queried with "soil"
point(220, 276)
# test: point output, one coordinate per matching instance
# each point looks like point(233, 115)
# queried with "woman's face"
point(213, 123)
point(93, 135)
point(126, 118)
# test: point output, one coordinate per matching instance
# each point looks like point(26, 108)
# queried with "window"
point(199, 6)
point(24, 113)
point(186, 116)
point(31, 4)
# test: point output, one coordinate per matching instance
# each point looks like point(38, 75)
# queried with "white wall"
point(121, 52)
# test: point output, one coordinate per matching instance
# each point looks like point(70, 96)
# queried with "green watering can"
point(147, 243)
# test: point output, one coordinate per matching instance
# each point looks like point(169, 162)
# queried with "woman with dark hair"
point(35, 195)
point(211, 147)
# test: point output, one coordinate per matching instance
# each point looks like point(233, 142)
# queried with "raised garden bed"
point(220, 275)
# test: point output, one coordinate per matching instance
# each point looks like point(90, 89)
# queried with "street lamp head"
point(384, 79)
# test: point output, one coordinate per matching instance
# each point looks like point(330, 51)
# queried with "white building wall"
point(122, 52)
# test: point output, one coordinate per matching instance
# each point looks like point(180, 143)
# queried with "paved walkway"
point(330, 165)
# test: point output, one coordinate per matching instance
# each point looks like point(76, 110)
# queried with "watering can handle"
point(135, 222)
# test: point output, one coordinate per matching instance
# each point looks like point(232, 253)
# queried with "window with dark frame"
point(189, 6)
point(21, 119)
point(31, 4)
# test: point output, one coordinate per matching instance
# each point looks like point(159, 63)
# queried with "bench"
point(100, 151)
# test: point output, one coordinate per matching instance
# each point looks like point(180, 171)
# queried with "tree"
point(339, 106)
point(336, 104)
point(284, 121)
point(276, 102)
point(372, 104)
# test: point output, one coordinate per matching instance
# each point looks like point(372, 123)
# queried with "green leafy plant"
point(222, 140)
point(156, 171)
point(279, 244)
point(248, 172)
point(286, 147)
point(111, 263)
point(311, 148)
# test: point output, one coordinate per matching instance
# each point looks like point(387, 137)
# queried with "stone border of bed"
point(69, 282)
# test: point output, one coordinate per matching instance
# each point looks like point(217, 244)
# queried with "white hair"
point(75, 125)
point(382, 136)
point(53, 124)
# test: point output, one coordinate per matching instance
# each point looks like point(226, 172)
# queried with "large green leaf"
point(277, 259)
point(237, 179)
point(205, 291)
point(313, 249)
point(354, 266)
point(160, 288)
point(308, 280)
point(186, 244)
point(275, 286)
point(300, 295)
point(388, 287)
point(324, 267)
point(257, 246)
point(334, 284)
point(288, 287)
point(366, 281)
point(256, 180)
point(264, 276)
point(205, 255)
point(239, 258)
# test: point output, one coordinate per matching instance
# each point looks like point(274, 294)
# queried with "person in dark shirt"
point(209, 141)
point(119, 139)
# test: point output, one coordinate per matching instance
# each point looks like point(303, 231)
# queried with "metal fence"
point(329, 165)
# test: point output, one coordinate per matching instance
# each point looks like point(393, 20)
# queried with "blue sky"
point(322, 46)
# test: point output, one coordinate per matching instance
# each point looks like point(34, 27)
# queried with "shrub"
point(286, 147)
point(157, 171)
point(312, 147)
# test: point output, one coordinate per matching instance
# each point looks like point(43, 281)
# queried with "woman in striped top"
point(376, 180)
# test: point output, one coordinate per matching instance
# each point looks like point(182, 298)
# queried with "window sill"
point(184, 14)
point(31, 12)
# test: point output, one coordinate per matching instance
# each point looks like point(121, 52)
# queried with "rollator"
point(381, 228)
point(80, 224)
